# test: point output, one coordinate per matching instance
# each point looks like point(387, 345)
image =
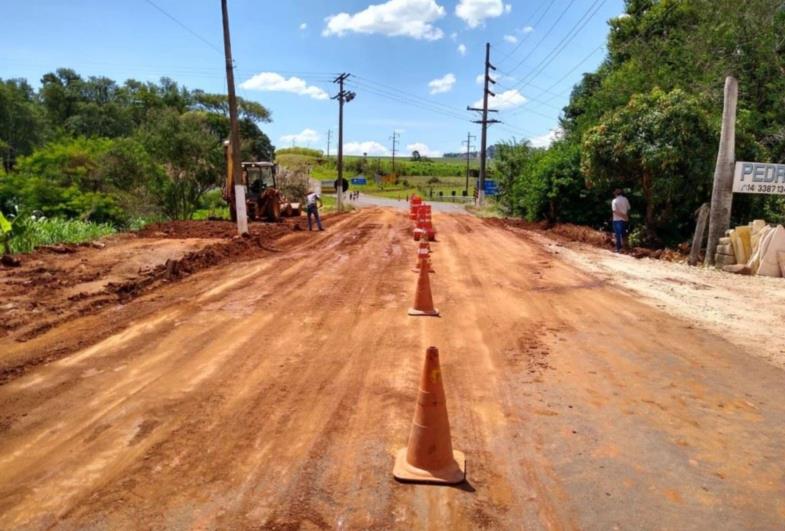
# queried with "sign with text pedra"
point(759, 178)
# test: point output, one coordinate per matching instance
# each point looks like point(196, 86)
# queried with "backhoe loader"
point(263, 200)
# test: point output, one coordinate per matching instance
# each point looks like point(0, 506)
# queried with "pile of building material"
point(754, 249)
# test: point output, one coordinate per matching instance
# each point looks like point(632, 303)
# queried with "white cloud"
point(544, 141)
point(303, 26)
point(424, 150)
point(527, 29)
point(462, 49)
point(394, 18)
point(442, 84)
point(474, 12)
point(359, 148)
point(509, 99)
point(306, 136)
point(454, 35)
point(272, 82)
point(512, 39)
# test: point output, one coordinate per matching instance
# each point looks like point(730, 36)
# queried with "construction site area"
point(183, 377)
point(401, 264)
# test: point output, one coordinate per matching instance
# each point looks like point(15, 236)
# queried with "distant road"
point(366, 201)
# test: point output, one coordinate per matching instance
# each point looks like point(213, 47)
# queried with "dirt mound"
point(53, 285)
point(594, 237)
point(210, 229)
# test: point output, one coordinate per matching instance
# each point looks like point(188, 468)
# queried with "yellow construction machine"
point(263, 199)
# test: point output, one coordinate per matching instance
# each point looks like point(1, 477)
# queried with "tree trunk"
point(722, 193)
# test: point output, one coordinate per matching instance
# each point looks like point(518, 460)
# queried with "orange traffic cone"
point(429, 457)
point(423, 301)
point(426, 261)
point(423, 257)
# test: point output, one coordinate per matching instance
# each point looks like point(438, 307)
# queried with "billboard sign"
point(759, 178)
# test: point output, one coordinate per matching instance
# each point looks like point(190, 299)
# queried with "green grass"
point(421, 185)
point(329, 202)
point(211, 213)
point(51, 231)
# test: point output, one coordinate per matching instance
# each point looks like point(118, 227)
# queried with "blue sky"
point(414, 63)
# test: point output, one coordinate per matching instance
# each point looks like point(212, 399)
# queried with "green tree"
point(191, 157)
point(22, 125)
point(661, 144)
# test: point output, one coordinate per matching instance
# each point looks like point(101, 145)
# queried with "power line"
point(573, 69)
point(526, 38)
point(547, 34)
point(182, 25)
point(387, 87)
point(402, 99)
point(571, 35)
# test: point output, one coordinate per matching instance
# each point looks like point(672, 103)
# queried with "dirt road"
point(274, 393)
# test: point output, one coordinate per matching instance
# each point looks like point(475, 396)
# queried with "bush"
point(29, 232)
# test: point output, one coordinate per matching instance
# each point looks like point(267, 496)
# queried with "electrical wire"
point(182, 25)
point(545, 37)
point(386, 87)
point(562, 45)
point(401, 99)
point(526, 38)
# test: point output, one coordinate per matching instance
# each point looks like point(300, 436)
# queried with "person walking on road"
point(621, 217)
point(312, 204)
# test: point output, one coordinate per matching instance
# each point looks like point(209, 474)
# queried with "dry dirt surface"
point(274, 393)
point(58, 283)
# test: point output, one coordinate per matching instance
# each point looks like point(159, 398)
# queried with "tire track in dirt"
point(275, 393)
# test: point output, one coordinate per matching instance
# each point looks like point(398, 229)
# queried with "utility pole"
point(395, 136)
point(485, 123)
point(329, 136)
point(722, 191)
point(468, 143)
point(236, 190)
point(342, 97)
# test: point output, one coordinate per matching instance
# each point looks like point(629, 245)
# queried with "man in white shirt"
point(312, 204)
point(621, 217)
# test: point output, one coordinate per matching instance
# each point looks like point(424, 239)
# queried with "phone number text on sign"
point(759, 178)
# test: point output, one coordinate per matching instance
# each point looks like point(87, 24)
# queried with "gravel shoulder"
point(747, 311)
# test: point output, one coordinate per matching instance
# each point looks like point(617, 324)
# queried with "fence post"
point(700, 232)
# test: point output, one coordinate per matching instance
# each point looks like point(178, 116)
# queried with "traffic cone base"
point(423, 313)
point(454, 473)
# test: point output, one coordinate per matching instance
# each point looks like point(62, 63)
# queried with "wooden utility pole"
point(468, 143)
point(236, 190)
point(485, 123)
point(722, 193)
point(342, 97)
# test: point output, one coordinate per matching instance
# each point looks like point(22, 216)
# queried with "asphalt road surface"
point(275, 392)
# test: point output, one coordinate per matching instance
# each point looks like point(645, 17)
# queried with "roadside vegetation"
point(95, 152)
point(23, 234)
point(648, 120)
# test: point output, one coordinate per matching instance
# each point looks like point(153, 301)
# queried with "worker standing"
point(621, 217)
point(312, 204)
